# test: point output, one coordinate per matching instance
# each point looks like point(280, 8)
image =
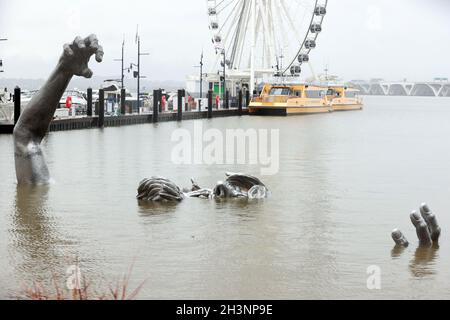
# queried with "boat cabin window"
point(351, 94)
point(298, 93)
point(280, 92)
point(333, 93)
point(315, 94)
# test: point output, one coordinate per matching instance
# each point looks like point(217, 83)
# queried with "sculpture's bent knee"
point(399, 238)
point(430, 219)
point(422, 230)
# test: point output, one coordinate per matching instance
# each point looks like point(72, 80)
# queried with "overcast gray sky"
point(361, 38)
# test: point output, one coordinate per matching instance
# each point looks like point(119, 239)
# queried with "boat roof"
point(298, 86)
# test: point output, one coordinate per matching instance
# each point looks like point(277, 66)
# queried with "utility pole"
point(139, 76)
point(201, 82)
point(1, 61)
point(281, 59)
point(138, 73)
point(224, 73)
point(123, 69)
point(201, 76)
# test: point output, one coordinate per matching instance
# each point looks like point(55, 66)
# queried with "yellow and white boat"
point(343, 98)
point(283, 100)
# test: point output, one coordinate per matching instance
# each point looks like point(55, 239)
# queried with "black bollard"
point(240, 102)
point(101, 108)
point(89, 102)
point(227, 99)
point(210, 104)
point(155, 106)
point(180, 104)
point(123, 95)
point(247, 98)
point(160, 100)
point(17, 102)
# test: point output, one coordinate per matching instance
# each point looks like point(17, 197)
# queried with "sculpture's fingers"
point(195, 185)
point(91, 44)
point(430, 219)
point(91, 40)
point(399, 238)
point(78, 44)
point(421, 229)
point(99, 54)
point(68, 50)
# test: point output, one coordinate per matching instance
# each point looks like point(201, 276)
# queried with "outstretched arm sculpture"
point(34, 122)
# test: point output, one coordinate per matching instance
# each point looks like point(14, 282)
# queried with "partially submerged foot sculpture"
point(34, 122)
point(236, 186)
point(427, 228)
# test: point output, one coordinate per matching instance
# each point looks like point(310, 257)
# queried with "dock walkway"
point(127, 120)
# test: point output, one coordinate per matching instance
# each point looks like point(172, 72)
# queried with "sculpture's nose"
point(221, 191)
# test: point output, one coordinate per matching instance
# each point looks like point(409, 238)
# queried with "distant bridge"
point(418, 89)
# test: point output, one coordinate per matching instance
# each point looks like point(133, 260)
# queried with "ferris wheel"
point(265, 37)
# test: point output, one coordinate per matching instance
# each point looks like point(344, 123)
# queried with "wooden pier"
point(100, 120)
point(127, 120)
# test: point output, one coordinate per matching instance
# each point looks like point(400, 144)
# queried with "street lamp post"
point(201, 82)
point(138, 73)
point(224, 73)
point(1, 61)
point(201, 76)
point(123, 68)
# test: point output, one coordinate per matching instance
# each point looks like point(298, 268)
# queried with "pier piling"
point(101, 108)
point(89, 102)
point(210, 104)
point(156, 99)
point(247, 98)
point(181, 94)
point(123, 95)
point(227, 100)
point(17, 102)
point(160, 109)
point(240, 102)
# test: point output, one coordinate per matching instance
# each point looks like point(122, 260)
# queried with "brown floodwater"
point(345, 181)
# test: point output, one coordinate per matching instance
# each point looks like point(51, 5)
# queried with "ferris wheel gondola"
point(256, 37)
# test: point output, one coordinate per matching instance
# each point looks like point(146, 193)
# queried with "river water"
point(345, 181)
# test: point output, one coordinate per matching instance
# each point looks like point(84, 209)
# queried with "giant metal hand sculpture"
point(427, 228)
point(34, 122)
